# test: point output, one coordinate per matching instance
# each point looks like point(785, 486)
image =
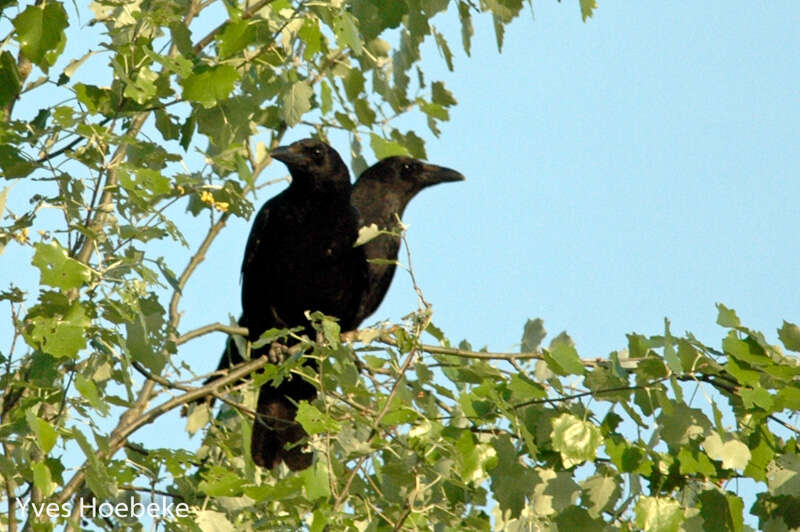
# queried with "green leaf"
point(757, 397)
point(505, 10)
point(673, 361)
point(314, 421)
point(587, 8)
point(727, 317)
point(209, 85)
point(444, 49)
point(296, 102)
point(555, 491)
point(331, 330)
point(385, 148)
point(524, 389)
point(694, 462)
point(42, 478)
point(474, 458)
point(61, 334)
point(788, 398)
point(315, 481)
point(345, 122)
point(311, 35)
point(367, 233)
point(142, 87)
point(602, 493)
point(375, 16)
point(212, 521)
point(721, 511)
point(745, 350)
point(681, 424)
point(499, 32)
point(353, 83)
point(10, 82)
point(658, 514)
point(140, 348)
point(789, 334)
point(364, 112)
point(40, 29)
point(761, 455)
point(562, 358)
point(326, 98)
point(57, 269)
point(511, 481)
point(576, 518)
point(783, 475)
point(75, 64)
point(733, 453)
point(576, 440)
point(414, 144)
point(89, 392)
point(221, 482)
point(743, 372)
point(97, 476)
point(12, 164)
point(96, 99)
point(442, 96)
point(346, 30)
point(467, 30)
point(198, 418)
point(169, 130)
point(182, 38)
point(45, 433)
point(235, 37)
point(532, 336)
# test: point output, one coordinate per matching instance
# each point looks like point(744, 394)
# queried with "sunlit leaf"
point(576, 440)
point(57, 269)
point(208, 86)
point(40, 30)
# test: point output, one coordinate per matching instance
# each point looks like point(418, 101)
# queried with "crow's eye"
point(318, 154)
point(406, 168)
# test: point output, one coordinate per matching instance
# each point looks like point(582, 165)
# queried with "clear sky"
point(638, 166)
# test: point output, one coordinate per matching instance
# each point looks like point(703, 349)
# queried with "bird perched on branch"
point(308, 224)
point(299, 256)
point(381, 195)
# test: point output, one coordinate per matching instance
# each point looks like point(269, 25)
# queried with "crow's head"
point(396, 180)
point(313, 163)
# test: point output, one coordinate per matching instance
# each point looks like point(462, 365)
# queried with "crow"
point(380, 195)
point(299, 256)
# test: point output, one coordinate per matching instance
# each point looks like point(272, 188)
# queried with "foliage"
point(406, 435)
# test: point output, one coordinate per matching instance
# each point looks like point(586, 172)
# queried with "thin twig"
point(480, 355)
point(591, 392)
point(207, 329)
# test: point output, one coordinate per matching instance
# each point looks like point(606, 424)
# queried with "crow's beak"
point(288, 156)
point(432, 175)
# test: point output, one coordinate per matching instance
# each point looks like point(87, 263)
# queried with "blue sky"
point(639, 166)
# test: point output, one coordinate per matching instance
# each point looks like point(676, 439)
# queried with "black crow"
point(299, 256)
point(381, 194)
point(280, 280)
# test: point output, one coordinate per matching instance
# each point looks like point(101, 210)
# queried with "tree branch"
point(588, 393)
point(120, 435)
point(440, 350)
point(208, 329)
